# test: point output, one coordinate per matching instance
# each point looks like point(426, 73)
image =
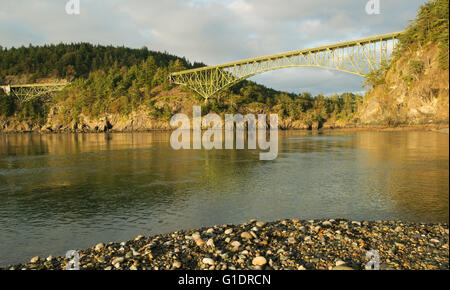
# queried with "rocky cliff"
point(415, 91)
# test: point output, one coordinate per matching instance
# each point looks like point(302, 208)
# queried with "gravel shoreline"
point(334, 244)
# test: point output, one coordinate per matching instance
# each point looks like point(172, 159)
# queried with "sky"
point(212, 31)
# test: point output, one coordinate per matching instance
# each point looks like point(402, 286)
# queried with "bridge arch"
point(359, 57)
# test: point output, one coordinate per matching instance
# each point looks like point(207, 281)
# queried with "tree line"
point(71, 61)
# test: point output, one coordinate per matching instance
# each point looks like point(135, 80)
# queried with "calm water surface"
point(62, 192)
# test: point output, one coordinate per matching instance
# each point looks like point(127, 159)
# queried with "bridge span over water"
point(359, 57)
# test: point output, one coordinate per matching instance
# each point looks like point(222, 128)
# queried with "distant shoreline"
point(440, 128)
point(289, 244)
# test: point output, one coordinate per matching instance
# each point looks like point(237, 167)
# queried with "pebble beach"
point(290, 244)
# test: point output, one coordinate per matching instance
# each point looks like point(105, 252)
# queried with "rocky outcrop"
point(415, 92)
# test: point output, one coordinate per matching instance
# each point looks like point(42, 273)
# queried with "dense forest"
point(70, 61)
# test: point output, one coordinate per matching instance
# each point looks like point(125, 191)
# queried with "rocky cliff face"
point(415, 92)
point(137, 121)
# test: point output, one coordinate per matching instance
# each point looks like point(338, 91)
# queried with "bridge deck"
point(361, 41)
point(39, 85)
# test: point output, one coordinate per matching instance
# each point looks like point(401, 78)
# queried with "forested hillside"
point(127, 89)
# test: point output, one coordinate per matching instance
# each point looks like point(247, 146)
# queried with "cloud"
point(212, 31)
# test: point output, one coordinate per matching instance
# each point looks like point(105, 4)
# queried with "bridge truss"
point(28, 92)
point(358, 57)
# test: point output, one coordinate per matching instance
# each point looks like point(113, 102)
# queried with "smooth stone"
point(176, 265)
point(339, 263)
point(139, 237)
point(133, 268)
point(117, 260)
point(228, 231)
point(260, 224)
point(291, 240)
point(99, 247)
point(259, 261)
point(196, 236)
point(210, 243)
point(199, 242)
point(235, 244)
point(342, 268)
point(208, 261)
point(34, 259)
point(246, 235)
point(49, 258)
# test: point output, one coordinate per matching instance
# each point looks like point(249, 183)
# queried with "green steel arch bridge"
point(358, 57)
point(28, 92)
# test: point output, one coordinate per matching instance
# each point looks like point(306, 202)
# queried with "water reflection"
point(60, 192)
